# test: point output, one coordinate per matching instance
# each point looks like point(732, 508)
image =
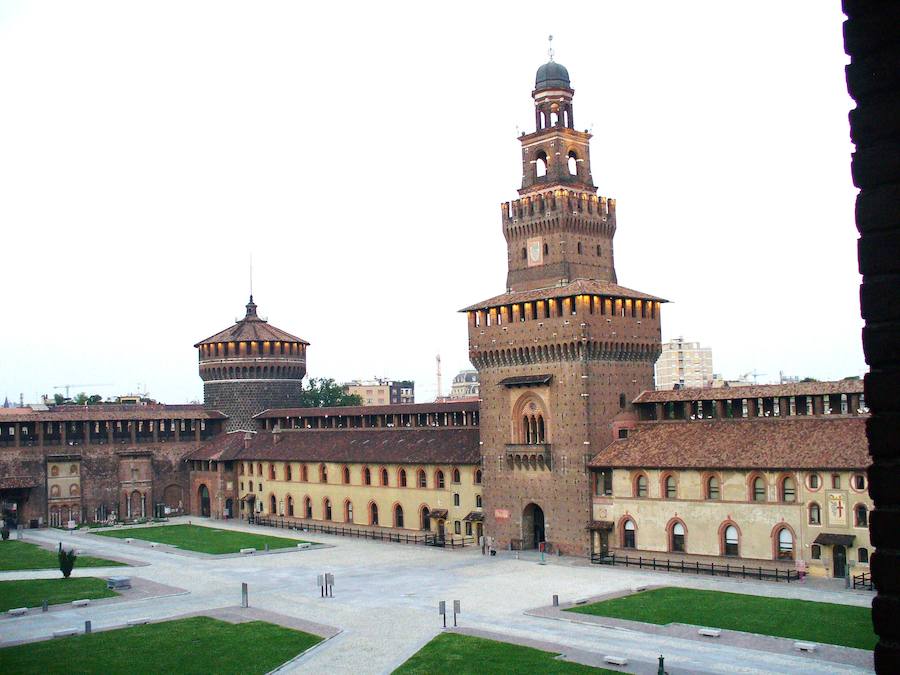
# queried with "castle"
point(568, 447)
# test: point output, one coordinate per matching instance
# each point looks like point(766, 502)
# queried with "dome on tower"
point(552, 75)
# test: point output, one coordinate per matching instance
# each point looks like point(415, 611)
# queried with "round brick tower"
point(251, 367)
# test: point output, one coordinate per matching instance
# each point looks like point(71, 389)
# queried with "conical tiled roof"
point(251, 328)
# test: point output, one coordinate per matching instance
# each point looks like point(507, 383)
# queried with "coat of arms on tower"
point(535, 252)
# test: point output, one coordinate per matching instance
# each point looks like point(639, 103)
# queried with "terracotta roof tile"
point(436, 445)
point(251, 328)
point(99, 413)
point(762, 443)
point(751, 391)
point(577, 287)
point(397, 409)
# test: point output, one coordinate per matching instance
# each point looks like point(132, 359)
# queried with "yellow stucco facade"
point(403, 497)
point(755, 515)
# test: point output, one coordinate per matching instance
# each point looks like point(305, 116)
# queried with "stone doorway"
point(203, 493)
point(532, 526)
point(839, 554)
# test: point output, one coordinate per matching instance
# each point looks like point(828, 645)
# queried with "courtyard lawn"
point(196, 645)
point(796, 619)
point(33, 592)
point(203, 539)
point(456, 654)
point(22, 555)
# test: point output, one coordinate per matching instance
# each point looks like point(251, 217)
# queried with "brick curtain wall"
point(872, 40)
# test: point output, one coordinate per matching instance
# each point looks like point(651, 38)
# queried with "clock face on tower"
point(535, 252)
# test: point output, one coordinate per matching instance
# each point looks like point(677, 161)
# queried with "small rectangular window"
point(457, 528)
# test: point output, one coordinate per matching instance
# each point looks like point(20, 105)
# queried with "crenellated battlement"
point(558, 201)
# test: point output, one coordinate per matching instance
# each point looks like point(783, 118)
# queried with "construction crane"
point(753, 373)
point(66, 386)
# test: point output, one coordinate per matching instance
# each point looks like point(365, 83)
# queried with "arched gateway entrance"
point(203, 493)
point(532, 526)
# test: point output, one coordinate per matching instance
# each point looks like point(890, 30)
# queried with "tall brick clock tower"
point(565, 350)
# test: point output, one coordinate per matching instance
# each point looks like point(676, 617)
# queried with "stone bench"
point(248, 550)
point(129, 540)
point(138, 622)
point(638, 589)
point(616, 660)
point(710, 632)
point(18, 611)
point(81, 603)
point(304, 544)
point(805, 646)
point(65, 632)
point(114, 583)
point(154, 544)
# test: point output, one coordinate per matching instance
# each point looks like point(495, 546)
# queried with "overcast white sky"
point(360, 152)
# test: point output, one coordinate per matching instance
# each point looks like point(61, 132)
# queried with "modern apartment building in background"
point(683, 364)
point(383, 391)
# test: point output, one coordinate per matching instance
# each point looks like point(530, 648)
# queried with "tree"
point(83, 399)
point(66, 561)
point(59, 399)
point(324, 393)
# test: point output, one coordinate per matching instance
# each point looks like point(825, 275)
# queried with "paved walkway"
point(386, 598)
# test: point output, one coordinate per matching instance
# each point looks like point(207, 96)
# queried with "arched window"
point(73, 469)
point(859, 482)
point(348, 511)
point(54, 490)
point(346, 475)
point(546, 250)
point(259, 468)
point(677, 543)
point(573, 165)
point(421, 481)
point(401, 478)
point(524, 253)
point(290, 501)
point(861, 515)
point(815, 514)
point(373, 513)
point(398, 516)
point(54, 470)
point(640, 486)
point(439, 479)
point(288, 472)
point(425, 516)
point(250, 468)
point(758, 489)
point(307, 507)
point(814, 481)
point(712, 487)
point(671, 488)
point(273, 507)
point(304, 473)
point(785, 543)
point(863, 555)
point(580, 251)
point(455, 475)
point(540, 164)
point(326, 503)
point(477, 501)
point(541, 436)
point(367, 476)
point(384, 477)
point(477, 476)
point(730, 541)
point(73, 491)
point(599, 250)
point(628, 534)
point(323, 473)
point(788, 489)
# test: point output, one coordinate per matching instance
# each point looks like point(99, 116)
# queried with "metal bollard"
point(245, 601)
point(555, 600)
point(44, 606)
point(87, 627)
point(267, 548)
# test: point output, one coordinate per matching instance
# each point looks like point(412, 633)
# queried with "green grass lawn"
point(796, 619)
point(197, 645)
point(33, 592)
point(21, 555)
point(457, 654)
point(203, 539)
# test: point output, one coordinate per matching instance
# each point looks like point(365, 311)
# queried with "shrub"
point(66, 561)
